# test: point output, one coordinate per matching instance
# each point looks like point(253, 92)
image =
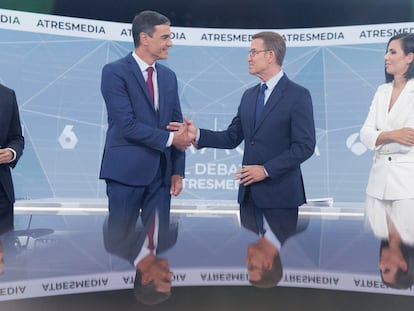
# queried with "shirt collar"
point(274, 80)
point(142, 65)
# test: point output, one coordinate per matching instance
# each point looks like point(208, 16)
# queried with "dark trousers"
point(280, 219)
point(6, 212)
point(126, 203)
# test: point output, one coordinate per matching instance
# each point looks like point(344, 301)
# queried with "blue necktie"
point(260, 102)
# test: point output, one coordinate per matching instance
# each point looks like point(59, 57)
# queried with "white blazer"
point(392, 172)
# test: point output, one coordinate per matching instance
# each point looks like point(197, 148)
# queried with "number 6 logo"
point(67, 138)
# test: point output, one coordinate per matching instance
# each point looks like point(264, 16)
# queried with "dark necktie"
point(149, 83)
point(259, 220)
point(151, 231)
point(260, 102)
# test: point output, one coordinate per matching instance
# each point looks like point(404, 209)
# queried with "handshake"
point(184, 134)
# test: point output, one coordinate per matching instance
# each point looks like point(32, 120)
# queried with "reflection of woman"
point(397, 264)
point(395, 227)
point(389, 129)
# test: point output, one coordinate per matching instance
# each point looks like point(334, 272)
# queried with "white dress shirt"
point(143, 67)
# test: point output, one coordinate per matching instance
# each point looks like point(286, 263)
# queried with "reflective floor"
point(63, 250)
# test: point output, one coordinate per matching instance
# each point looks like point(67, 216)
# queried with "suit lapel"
point(251, 100)
point(402, 106)
point(161, 86)
point(273, 100)
point(139, 77)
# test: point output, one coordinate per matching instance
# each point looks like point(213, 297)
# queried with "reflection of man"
point(274, 226)
point(11, 148)
point(10, 242)
point(136, 244)
point(1, 258)
point(394, 225)
point(152, 280)
point(6, 241)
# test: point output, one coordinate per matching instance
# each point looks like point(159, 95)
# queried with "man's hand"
point(184, 133)
point(176, 184)
point(5, 156)
point(192, 129)
point(180, 139)
point(250, 174)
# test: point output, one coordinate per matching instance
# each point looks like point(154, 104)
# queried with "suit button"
point(389, 158)
point(252, 143)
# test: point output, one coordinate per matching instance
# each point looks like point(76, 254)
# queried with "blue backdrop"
point(57, 82)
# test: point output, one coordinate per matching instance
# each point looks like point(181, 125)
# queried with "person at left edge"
point(11, 149)
point(143, 163)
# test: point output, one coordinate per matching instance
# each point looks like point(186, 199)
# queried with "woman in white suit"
point(389, 130)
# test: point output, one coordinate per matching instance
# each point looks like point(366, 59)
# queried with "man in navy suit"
point(143, 163)
point(278, 133)
point(11, 148)
point(282, 137)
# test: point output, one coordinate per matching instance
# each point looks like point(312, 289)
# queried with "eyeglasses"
point(253, 52)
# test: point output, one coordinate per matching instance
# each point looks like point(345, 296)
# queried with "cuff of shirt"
point(197, 136)
point(14, 154)
point(170, 139)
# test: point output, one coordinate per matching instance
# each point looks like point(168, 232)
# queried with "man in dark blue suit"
point(277, 140)
point(11, 149)
point(275, 120)
point(143, 163)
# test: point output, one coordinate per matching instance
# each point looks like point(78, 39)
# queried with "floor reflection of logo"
point(67, 138)
point(354, 144)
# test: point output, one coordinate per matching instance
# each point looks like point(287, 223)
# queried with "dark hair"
point(148, 294)
point(271, 277)
point(407, 44)
point(403, 279)
point(273, 41)
point(145, 21)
